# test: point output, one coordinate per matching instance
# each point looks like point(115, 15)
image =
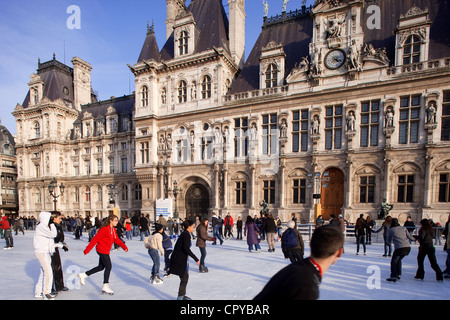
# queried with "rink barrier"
point(305, 229)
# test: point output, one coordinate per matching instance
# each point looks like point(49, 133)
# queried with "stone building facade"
point(337, 107)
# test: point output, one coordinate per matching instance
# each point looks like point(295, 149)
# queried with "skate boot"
point(107, 290)
point(82, 277)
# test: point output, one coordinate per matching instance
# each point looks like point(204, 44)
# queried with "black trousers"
point(431, 253)
point(104, 263)
point(58, 280)
point(183, 283)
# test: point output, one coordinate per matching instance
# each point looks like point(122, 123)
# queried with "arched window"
point(183, 43)
point(182, 91)
point(37, 130)
point(411, 50)
point(35, 96)
point(271, 76)
point(144, 96)
point(206, 87)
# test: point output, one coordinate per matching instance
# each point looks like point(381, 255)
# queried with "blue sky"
point(111, 36)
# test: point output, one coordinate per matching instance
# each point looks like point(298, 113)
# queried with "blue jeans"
point(216, 232)
point(154, 254)
point(257, 247)
point(203, 256)
point(396, 261)
point(145, 233)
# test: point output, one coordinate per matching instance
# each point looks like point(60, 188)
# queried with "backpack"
point(147, 242)
point(290, 239)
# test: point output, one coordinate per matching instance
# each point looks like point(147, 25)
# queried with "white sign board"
point(164, 207)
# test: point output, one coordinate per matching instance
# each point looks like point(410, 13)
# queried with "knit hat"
point(291, 224)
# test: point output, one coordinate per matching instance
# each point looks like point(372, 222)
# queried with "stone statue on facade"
point(265, 207)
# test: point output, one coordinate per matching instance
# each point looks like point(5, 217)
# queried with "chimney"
point(237, 31)
point(81, 82)
point(174, 8)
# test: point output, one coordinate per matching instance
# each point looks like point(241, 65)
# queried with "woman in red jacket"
point(104, 239)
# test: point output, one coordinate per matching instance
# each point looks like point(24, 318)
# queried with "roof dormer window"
point(183, 43)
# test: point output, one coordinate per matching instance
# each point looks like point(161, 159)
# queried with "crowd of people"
point(158, 236)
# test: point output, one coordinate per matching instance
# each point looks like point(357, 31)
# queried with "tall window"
point(87, 194)
point(182, 91)
point(370, 120)
point(300, 130)
point(241, 192)
point(207, 150)
point(333, 127)
point(367, 189)
point(445, 119)
point(144, 96)
point(405, 188)
point(87, 165)
point(124, 164)
point(183, 43)
point(76, 194)
point(111, 165)
point(269, 134)
point(269, 191)
point(182, 150)
point(409, 119)
point(411, 50)
point(145, 152)
point(240, 137)
point(271, 76)
point(99, 194)
point(299, 191)
point(206, 87)
point(138, 192)
point(99, 166)
point(37, 130)
point(444, 187)
point(124, 193)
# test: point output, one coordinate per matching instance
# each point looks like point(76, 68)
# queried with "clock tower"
point(337, 41)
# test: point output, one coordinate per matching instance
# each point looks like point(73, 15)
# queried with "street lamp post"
point(52, 190)
point(175, 191)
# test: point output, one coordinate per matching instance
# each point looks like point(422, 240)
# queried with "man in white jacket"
point(44, 247)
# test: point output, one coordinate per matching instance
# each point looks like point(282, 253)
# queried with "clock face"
point(335, 59)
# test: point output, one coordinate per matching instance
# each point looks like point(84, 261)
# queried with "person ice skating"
point(360, 233)
point(228, 224)
point(155, 249)
point(7, 233)
point(168, 249)
point(103, 240)
point(385, 226)
point(179, 258)
point(399, 235)
point(44, 247)
point(426, 248)
point(217, 226)
point(202, 237)
point(239, 228)
point(58, 278)
point(447, 247)
point(270, 229)
point(251, 232)
point(292, 243)
point(300, 280)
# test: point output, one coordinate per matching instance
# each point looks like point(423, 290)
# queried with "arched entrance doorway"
point(332, 196)
point(197, 202)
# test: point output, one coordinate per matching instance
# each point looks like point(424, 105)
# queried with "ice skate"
point(107, 290)
point(157, 280)
point(82, 277)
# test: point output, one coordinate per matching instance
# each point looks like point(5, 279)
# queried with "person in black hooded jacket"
point(179, 258)
point(58, 279)
point(426, 248)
